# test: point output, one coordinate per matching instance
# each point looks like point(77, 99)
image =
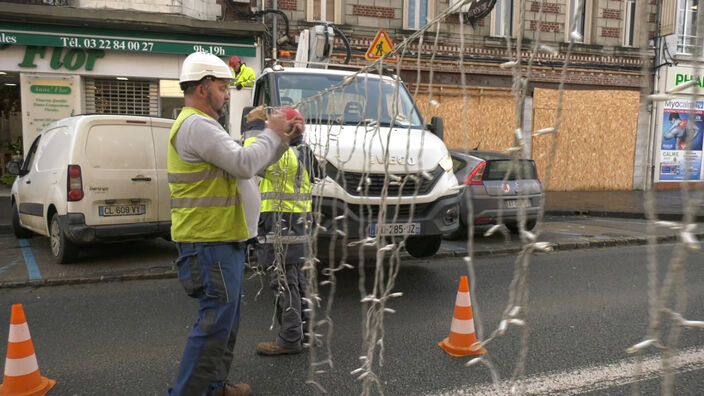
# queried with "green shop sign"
point(119, 40)
point(681, 78)
point(50, 89)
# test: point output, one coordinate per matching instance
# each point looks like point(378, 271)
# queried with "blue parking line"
point(29, 260)
point(454, 246)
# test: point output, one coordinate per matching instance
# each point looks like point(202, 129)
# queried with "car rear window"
point(120, 147)
point(497, 170)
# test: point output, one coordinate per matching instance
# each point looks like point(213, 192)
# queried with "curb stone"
point(564, 246)
point(620, 215)
point(87, 280)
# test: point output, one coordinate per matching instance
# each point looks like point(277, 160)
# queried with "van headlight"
point(446, 163)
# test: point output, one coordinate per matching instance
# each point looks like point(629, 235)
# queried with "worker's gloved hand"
point(257, 113)
point(238, 86)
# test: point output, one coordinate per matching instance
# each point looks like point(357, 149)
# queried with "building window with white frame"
point(579, 18)
point(417, 13)
point(629, 24)
point(686, 26)
point(324, 11)
point(502, 18)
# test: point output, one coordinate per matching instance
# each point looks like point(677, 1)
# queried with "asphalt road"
point(586, 307)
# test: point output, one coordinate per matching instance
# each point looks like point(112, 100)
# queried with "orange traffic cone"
point(22, 377)
point(462, 341)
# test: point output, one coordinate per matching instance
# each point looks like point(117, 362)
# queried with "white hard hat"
point(201, 64)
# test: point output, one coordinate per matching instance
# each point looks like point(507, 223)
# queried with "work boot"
point(271, 348)
point(240, 389)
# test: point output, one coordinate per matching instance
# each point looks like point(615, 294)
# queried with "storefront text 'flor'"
point(71, 59)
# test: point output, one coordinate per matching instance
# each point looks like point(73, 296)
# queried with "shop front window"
point(10, 123)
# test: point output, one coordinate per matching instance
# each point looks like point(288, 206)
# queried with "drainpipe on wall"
point(652, 131)
point(274, 33)
point(652, 127)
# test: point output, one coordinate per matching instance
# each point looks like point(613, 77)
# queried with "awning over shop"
point(122, 40)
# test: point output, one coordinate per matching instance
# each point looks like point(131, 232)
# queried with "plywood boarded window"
point(591, 156)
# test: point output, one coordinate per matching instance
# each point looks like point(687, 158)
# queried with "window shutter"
point(668, 10)
point(109, 96)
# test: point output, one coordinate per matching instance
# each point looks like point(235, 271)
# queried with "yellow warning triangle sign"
point(380, 46)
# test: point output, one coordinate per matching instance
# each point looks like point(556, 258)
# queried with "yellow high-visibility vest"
point(205, 200)
point(286, 186)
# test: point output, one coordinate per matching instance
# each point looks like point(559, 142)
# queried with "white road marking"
point(587, 379)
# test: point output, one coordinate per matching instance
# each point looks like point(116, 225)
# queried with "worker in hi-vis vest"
point(243, 75)
point(284, 231)
point(215, 207)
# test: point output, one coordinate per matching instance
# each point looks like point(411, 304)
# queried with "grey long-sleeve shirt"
point(201, 139)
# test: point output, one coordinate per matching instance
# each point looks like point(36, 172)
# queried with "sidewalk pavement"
point(669, 204)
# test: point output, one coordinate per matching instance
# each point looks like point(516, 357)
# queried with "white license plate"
point(122, 210)
point(395, 229)
point(516, 203)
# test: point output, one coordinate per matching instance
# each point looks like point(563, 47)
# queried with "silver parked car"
point(495, 184)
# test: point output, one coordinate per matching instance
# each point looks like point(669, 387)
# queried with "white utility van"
point(379, 155)
point(93, 178)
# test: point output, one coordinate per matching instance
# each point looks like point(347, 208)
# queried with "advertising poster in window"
point(45, 99)
point(681, 140)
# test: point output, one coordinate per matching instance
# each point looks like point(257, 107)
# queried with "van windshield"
point(361, 102)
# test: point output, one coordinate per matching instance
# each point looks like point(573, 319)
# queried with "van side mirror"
point(13, 167)
point(437, 127)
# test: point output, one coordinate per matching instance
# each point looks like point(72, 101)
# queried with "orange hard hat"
point(235, 60)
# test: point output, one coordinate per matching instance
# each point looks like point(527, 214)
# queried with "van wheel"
point(17, 229)
point(422, 247)
point(63, 250)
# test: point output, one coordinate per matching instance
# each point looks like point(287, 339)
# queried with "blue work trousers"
point(212, 272)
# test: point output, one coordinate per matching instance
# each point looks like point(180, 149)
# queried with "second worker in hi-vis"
point(283, 234)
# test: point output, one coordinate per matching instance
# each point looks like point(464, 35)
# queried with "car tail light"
point(537, 176)
point(75, 183)
point(475, 178)
point(482, 220)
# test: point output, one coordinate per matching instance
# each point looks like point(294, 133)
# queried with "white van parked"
point(93, 178)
